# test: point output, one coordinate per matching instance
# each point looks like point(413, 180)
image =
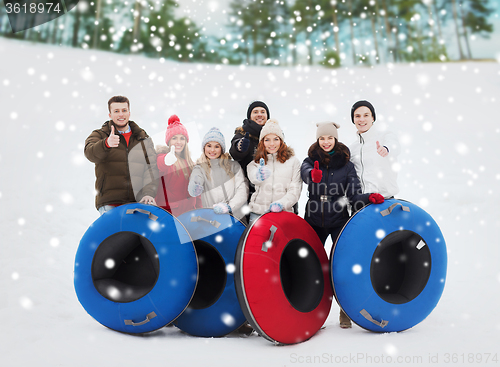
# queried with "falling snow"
point(441, 115)
point(228, 319)
point(357, 269)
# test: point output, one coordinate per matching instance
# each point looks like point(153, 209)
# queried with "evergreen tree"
point(252, 22)
point(306, 22)
point(474, 14)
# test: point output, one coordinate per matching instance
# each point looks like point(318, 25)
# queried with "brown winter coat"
point(126, 173)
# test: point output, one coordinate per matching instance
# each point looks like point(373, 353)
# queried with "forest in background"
point(332, 33)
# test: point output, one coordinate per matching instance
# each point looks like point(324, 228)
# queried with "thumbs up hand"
point(382, 151)
point(170, 158)
point(316, 173)
point(263, 172)
point(113, 140)
point(195, 188)
point(243, 143)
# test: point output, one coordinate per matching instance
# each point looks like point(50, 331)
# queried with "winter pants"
point(324, 232)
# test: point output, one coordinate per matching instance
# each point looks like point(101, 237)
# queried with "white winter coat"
point(376, 173)
point(221, 188)
point(283, 186)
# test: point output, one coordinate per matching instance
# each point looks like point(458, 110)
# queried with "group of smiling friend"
point(259, 173)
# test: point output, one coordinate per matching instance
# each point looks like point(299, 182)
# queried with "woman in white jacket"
point(275, 172)
point(374, 153)
point(218, 179)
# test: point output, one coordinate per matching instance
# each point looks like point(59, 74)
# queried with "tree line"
point(359, 31)
point(274, 32)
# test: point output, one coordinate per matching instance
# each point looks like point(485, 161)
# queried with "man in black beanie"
point(246, 137)
point(361, 104)
point(374, 153)
point(257, 104)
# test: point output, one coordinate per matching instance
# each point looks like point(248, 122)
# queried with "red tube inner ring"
point(301, 275)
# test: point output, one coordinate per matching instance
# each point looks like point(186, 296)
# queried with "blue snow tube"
point(389, 266)
point(214, 310)
point(135, 269)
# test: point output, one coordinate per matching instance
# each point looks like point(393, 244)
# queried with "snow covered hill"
point(446, 116)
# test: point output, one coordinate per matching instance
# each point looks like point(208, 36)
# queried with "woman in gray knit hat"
point(217, 178)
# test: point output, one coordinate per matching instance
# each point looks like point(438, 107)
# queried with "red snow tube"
point(282, 278)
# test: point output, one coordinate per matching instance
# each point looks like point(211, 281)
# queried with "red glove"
point(316, 173)
point(376, 198)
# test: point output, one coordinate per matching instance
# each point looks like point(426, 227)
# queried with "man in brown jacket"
point(125, 159)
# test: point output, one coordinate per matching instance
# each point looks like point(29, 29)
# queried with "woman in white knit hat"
point(332, 183)
point(275, 172)
point(217, 178)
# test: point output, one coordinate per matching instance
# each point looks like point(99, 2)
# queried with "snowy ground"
point(51, 99)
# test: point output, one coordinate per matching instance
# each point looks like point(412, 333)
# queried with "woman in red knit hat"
point(175, 166)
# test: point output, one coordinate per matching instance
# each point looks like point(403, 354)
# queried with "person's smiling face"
point(213, 150)
point(363, 119)
point(178, 141)
point(326, 142)
point(259, 115)
point(272, 143)
point(119, 112)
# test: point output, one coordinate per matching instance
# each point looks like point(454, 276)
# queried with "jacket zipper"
point(362, 142)
point(272, 187)
point(322, 202)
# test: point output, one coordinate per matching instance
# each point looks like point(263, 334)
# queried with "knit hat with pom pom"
point(175, 127)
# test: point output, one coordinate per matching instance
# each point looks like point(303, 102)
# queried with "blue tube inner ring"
point(212, 276)
point(125, 267)
point(400, 267)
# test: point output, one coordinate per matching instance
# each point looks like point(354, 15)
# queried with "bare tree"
point(457, 30)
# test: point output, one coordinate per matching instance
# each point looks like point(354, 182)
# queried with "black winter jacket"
point(243, 158)
point(327, 204)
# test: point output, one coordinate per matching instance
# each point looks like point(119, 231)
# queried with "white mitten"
point(171, 158)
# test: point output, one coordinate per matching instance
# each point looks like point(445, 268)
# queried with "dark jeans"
point(324, 232)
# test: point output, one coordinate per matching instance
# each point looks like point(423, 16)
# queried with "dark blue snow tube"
point(214, 310)
point(389, 266)
point(135, 269)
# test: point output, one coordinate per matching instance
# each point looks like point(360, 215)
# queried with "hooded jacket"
point(283, 186)
point(126, 173)
point(339, 186)
point(221, 188)
point(375, 172)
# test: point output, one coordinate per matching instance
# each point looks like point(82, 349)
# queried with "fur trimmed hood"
point(162, 149)
point(338, 160)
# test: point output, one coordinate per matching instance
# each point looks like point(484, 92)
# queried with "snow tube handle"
point(149, 316)
point(212, 222)
point(149, 214)
point(269, 242)
point(369, 317)
point(389, 209)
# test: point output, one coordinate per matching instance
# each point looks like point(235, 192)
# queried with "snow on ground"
point(51, 98)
